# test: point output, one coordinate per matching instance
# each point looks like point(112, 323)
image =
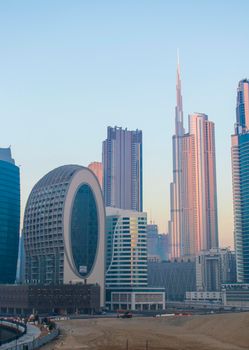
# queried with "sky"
point(69, 69)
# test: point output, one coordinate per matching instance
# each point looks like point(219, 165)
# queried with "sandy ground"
point(210, 332)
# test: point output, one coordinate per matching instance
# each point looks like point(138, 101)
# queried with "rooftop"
point(5, 155)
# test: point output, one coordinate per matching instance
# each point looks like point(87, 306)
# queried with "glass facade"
point(126, 260)
point(43, 227)
point(61, 227)
point(242, 108)
point(157, 244)
point(84, 230)
point(176, 277)
point(122, 169)
point(240, 171)
point(9, 220)
point(240, 157)
point(193, 224)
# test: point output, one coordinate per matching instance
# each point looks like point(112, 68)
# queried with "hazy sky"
point(68, 69)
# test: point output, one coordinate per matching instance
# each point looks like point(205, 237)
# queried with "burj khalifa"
point(176, 198)
point(193, 224)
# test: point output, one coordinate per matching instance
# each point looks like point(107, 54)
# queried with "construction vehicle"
point(124, 314)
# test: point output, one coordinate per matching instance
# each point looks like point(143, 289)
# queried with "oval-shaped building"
point(64, 228)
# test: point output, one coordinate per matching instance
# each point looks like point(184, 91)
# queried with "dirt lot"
point(211, 332)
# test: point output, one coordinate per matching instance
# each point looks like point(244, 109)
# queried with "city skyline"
point(79, 71)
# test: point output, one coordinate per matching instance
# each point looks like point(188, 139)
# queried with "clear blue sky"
point(68, 69)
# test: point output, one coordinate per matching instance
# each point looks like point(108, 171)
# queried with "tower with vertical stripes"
point(193, 224)
point(176, 205)
point(240, 176)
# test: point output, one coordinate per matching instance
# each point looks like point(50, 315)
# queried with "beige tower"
point(203, 190)
point(97, 169)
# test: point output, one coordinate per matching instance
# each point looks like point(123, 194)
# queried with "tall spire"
point(176, 194)
point(178, 110)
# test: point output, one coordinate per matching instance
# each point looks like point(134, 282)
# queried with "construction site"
point(196, 332)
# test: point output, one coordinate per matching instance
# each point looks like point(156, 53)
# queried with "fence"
point(19, 328)
point(35, 343)
point(137, 345)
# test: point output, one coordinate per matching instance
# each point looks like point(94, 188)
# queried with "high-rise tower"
point(204, 192)
point(97, 169)
point(122, 169)
point(179, 129)
point(193, 224)
point(126, 239)
point(240, 173)
point(9, 216)
point(64, 229)
point(242, 108)
point(175, 223)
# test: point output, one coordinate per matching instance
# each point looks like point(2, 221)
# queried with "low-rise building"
point(236, 295)
point(214, 267)
point(142, 299)
point(211, 297)
point(177, 277)
point(61, 299)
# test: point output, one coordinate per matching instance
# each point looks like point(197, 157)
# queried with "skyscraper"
point(9, 216)
point(64, 229)
point(204, 193)
point(157, 244)
point(122, 169)
point(152, 241)
point(242, 108)
point(190, 245)
point(240, 174)
point(176, 198)
point(97, 169)
point(126, 263)
point(126, 248)
point(193, 224)
point(20, 273)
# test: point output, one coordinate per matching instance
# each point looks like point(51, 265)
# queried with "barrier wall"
point(32, 344)
point(18, 327)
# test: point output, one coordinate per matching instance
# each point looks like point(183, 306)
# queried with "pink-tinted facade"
point(204, 192)
point(189, 197)
point(193, 196)
point(97, 169)
point(242, 108)
point(175, 222)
